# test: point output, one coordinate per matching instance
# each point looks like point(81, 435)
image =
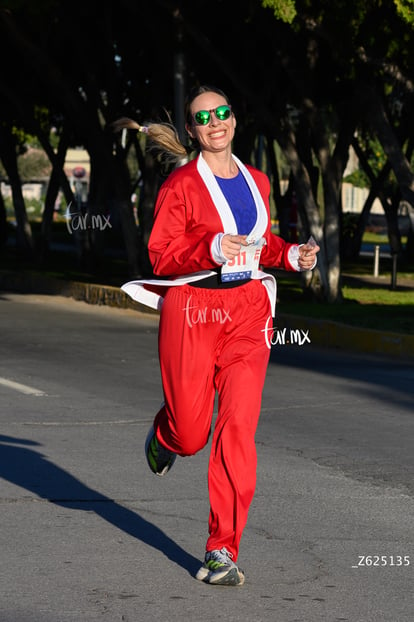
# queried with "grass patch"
point(366, 304)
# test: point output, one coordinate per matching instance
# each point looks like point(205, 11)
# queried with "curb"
point(94, 294)
point(330, 334)
point(324, 333)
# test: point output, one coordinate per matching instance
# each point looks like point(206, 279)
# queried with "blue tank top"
point(241, 202)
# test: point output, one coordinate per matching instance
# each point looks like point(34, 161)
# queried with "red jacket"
point(186, 221)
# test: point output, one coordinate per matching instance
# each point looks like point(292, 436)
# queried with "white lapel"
point(218, 198)
point(221, 204)
point(262, 219)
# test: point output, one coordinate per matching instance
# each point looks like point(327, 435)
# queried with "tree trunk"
point(332, 166)
point(377, 184)
point(391, 215)
point(3, 223)
point(281, 201)
point(24, 236)
point(310, 216)
point(57, 160)
point(146, 205)
point(381, 125)
point(332, 234)
point(51, 196)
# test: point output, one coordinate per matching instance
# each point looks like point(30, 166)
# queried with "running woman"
point(210, 238)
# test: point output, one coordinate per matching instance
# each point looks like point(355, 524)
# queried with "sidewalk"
point(291, 329)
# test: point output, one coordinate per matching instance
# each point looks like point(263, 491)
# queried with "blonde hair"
point(164, 138)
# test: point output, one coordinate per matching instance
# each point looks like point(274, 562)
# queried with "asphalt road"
point(87, 533)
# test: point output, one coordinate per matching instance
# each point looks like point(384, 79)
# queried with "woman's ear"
point(189, 131)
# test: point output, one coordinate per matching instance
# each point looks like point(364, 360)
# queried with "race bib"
point(245, 264)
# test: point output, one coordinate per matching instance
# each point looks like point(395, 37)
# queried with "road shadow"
point(22, 464)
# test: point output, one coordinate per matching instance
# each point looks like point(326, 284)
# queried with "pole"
point(376, 259)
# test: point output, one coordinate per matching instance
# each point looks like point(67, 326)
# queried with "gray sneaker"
point(159, 458)
point(220, 569)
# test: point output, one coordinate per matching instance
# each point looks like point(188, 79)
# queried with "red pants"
point(214, 340)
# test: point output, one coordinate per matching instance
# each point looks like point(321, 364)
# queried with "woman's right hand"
point(231, 245)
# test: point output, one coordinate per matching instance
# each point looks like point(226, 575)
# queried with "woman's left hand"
point(307, 256)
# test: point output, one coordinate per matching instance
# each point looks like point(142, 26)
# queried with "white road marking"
point(22, 388)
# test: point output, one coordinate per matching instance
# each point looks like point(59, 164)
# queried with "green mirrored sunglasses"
point(202, 117)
